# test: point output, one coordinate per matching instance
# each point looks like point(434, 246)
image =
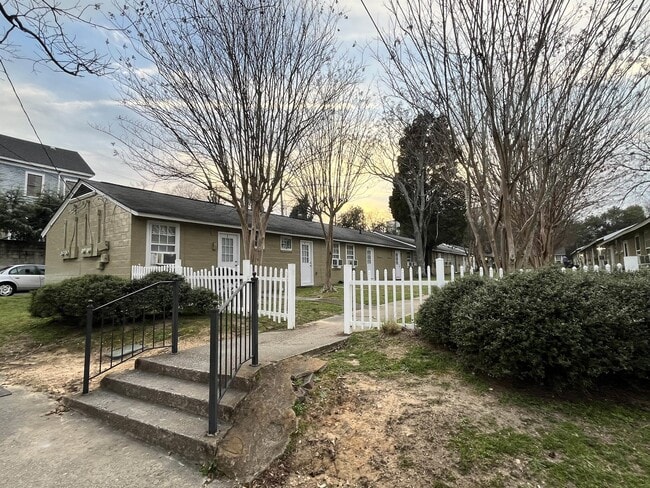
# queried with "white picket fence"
point(370, 301)
point(277, 287)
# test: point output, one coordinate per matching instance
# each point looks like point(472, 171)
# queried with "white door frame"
point(236, 250)
point(307, 266)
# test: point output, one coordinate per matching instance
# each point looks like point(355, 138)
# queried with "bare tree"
point(45, 24)
point(232, 89)
point(337, 156)
point(637, 162)
point(540, 97)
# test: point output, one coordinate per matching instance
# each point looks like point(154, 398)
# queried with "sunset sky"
point(65, 109)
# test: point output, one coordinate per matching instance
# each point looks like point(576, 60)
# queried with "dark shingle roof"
point(33, 152)
point(154, 204)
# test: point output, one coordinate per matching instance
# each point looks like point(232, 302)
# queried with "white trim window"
point(34, 184)
point(336, 255)
point(350, 255)
point(163, 243)
point(286, 243)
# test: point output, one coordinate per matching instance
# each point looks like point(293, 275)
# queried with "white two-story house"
point(33, 168)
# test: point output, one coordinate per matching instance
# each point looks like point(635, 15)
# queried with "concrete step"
point(194, 366)
point(189, 396)
point(180, 432)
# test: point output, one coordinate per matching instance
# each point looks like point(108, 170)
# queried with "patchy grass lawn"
point(392, 411)
point(16, 324)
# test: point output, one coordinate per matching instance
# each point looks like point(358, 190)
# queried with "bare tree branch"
point(46, 25)
point(232, 89)
point(541, 98)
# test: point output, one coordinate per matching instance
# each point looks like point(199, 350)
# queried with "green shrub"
point(199, 301)
point(391, 327)
point(564, 330)
point(434, 318)
point(69, 298)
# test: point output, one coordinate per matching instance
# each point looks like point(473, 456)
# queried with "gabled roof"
point(630, 228)
point(151, 204)
point(451, 249)
point(612, 236)
point(46, 157)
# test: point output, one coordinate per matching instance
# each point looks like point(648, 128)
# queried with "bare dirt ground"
point(357, 431)
point(370, 432)
point(57, 370)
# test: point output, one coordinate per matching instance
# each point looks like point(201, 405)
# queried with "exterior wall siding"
point(75, 243)
point(13, 178)
point(198, 245)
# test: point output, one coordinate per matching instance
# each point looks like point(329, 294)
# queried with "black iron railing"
point(233, 341)
point(124, 328)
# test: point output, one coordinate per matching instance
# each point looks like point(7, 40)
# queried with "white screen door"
point(306, 263)
point(398, 265)
point(370, 262)
point(228, 252)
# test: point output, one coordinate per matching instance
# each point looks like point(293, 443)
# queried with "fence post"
point(176, 298)
point(214, 374)
point(291, 296)
point(348, 296)
point(246, 269)
point(254, 319)
point(89, 336)
point(440, 272)
point(178, 267)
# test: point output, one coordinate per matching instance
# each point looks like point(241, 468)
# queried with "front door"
point(370, 262)
point(306, 263)
point(398, 265)
point(228, 252)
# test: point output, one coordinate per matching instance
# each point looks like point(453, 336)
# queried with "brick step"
point(186, 395)
point(175, 430)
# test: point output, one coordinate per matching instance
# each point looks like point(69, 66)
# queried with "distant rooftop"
point(20, 150)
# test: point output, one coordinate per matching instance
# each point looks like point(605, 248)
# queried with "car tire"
point(7, 289)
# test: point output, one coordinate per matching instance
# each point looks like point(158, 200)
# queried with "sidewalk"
point(42, 448)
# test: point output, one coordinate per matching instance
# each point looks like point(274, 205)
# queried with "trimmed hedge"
point(563, 330)
point(435, 315)
point(69, 298)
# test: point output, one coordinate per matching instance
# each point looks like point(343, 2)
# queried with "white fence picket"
point(277, 287)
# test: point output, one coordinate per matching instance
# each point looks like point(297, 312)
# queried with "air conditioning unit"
point(336, 263)
point(352, 262)
point(158, 258)
point(355, 263)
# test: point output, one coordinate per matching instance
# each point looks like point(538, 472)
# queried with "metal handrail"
point(227, 351)
point(122, 334)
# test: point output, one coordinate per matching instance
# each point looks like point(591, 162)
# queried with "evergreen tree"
point(426, 200)
point(302, 210)
point(354, 219)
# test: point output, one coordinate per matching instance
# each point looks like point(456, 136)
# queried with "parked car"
point(21, 277)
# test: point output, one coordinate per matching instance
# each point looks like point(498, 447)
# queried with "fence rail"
point(276, 290)
point(368, 301)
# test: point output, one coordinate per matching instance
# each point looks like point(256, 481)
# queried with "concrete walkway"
point(42, 448)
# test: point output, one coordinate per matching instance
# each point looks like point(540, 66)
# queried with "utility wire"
point(22, 106)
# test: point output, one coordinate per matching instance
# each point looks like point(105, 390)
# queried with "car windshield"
point(4, 269)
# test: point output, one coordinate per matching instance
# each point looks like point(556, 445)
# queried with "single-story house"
point(107, 228)
point(618, 247)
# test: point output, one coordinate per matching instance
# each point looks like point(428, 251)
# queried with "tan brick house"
point(107, 228)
